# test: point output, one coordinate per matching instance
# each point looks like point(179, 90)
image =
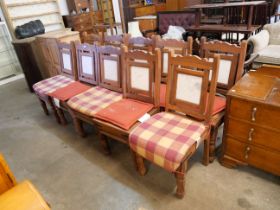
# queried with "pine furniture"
point(18, 196)
point(84, 106)
point(141, 81)
point(168, 139)
point(251, 132)
point(230, 71)
point(68, 74)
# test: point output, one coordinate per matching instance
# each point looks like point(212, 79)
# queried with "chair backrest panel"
point(110, 67)
point(179, 47)
point(67, 57)
point(188, 84)
point(141, 43)
point(116, 40)
point(87, 63)
point(231, 63)
point(142, 76)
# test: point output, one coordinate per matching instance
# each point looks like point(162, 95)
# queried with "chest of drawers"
point(252, 124)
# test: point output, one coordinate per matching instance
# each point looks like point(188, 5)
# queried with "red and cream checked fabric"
point(93, 100)
point(165, 139)
point(49, 85)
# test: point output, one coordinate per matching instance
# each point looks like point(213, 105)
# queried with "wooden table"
point(226, 28)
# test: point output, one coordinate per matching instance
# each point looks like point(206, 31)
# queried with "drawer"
point(264, 159)
point(82, 19)
point(235, 149)
point(261, 158)
point(147, 25)
point(249, 133)
point(263, 115)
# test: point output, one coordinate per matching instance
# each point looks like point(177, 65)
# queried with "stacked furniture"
point(82, 17)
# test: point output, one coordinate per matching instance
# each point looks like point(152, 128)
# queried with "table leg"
point(249, 24)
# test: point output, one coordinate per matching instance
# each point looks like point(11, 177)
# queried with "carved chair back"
point(110, 67)
point(231, 64)
point(67, 57)
point(141, 75)
point(116, 40)
point(87, 63)
point(93, 38)
point(179, 47)
point(189, 89)
point(141, 43)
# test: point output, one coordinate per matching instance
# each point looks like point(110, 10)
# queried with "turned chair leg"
point(78, 124)
point(44, 106)
point(61, 116)
point(54, 111)
point(105, 144)
point(140, 164)
point(206, 151)
point(212, 146)
point(180, 179)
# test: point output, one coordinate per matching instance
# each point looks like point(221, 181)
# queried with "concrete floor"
point(73, 174)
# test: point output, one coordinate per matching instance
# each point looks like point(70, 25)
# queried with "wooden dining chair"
point(87, 76)
point(179, 47)
point(141, 81)
point(68, 75)
point(116, 40)
point(93, 38)
point(105, 74)
point(141, 43)
point(169, 139)
point(231, 70)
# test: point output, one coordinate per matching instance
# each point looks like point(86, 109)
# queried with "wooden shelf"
point(53, 23)
point(34, 15)
point(29, 3)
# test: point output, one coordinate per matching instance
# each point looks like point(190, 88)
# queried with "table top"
point(229, 4)
point(224, 28)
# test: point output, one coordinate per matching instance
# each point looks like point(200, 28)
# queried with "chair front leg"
point(180, 179)
point(104, 143)
point(212, 146)
point(206, 150)
point(61, 116)
point(140, 164)
point(44, 106)
point(54, 111)
point(78, 124)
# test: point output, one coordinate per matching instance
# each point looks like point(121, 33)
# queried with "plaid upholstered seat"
point(93, 100)
point(49, 85)
point(165, 139)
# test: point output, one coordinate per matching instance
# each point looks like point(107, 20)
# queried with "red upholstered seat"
point(219, 102)
point(69, 91)
point(44, 87)
point(124, 113)
point(93, 100)
point(165, 139)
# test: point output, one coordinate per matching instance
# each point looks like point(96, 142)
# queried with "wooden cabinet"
point(79, 5)
point(252, 128)
point(48, 52)
point(81, 22)
point(26, 53)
